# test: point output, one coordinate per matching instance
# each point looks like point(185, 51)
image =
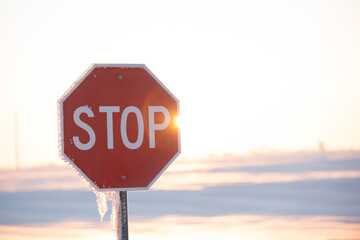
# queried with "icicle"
point(102, 198)
point(115, 214)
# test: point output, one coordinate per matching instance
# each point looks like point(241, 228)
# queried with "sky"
point(250, 75)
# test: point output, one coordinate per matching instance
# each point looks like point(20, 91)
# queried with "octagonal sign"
point(118, 127)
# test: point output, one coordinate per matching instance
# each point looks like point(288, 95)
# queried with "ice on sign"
point(119, 133)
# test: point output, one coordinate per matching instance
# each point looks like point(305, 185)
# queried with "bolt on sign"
point(118, 127)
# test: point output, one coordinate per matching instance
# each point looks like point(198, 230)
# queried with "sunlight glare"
point(178, 121)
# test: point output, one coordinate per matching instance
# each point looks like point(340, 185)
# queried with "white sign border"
point(61, 125)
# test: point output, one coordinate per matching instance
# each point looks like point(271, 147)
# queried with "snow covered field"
point(308, 195)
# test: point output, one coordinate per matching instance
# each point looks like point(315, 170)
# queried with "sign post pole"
point(123, 231)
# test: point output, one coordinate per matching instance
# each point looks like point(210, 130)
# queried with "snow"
point(54, 197)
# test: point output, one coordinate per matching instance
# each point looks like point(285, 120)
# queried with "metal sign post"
point(123, 231)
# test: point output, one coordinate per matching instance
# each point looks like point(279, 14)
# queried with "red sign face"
point(118, 127)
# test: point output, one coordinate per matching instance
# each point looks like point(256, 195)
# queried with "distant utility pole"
point(321, 146)
point(16, 142)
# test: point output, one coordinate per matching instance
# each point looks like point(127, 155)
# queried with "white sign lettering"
point(110, 111)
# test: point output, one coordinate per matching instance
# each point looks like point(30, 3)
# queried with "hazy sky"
point(248, 74)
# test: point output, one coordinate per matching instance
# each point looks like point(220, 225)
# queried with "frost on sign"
point(118, 127)
point(118, 130)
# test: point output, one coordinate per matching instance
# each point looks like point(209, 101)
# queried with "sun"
point(178, 121)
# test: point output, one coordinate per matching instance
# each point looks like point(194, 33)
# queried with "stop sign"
point(118, 127)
